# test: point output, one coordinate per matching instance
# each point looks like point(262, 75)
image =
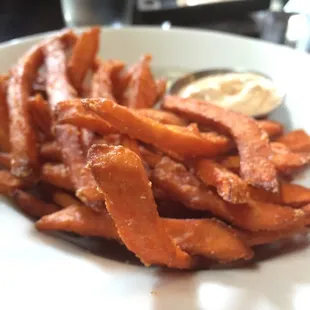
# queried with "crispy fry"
point(208, 237)
point(228, 185)
point(83, 56)
point(56, 174)
point(161, 85)
point(4, 116)
point(272, 128)
point(102, 82)
point(64, 199)
point(5, 160)
point(24, 162)
point(252, 143)
point(167, 137)
point(8, 183)
point(81, 220)
point(288, 162)
point(58, 87)
point(163, 117)
point(41, 115)
point(290, 194)
point(31, 205)
point(85, 186)
point(141, 91)
point(296, 141)
point(129, 200)
point(182, 185)
point(73, 113)
point(51, 151)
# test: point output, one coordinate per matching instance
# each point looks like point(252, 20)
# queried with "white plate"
point(39, 271)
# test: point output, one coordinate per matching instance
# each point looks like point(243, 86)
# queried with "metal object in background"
point(115, 13)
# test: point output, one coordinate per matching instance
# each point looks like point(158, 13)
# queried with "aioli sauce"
point(248, 93)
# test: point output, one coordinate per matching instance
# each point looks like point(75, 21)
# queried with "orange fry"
point(8, 183)
point(4, 116)
point(167, 137)
point(129, 200)
point(102, 82)
point(58, 87)
point(151, 158)
point(163, 117)
point(130, 144)
point(31, 205)
point(81, 220)
point(290, 194)
point(56, 174)
point(252, 143)
point(5, 160)
point(141, 91)
point(296, 141)
point(51, 151)
point(24, 162)
point(72, 112)
point(83, 56)
point(228, 185)
point(286, 161)
point(182, 185)
point(87, 139)
point(41, 114)
point(206, 237)
point(161, 86)
point(64, 199)
point(272, 128)
point(85, 186)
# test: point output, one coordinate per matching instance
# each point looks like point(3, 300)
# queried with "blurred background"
point(280, 21)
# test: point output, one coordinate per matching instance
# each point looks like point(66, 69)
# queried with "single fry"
point(102, 81)
point(150, 157)
point(58, 87)
point(24, 162)
point(129, 200)
point(208, 237)
point(64, 199)
point(4, 116)
point(33, 206)
point(5, 160)
point(290, 194)
point(182, 142)
point(72, 112)
point(50, 151)
point(286, 161)
point(57, 175)
point(141, 91)
point(83, 56)
point(41, 115)
point(184, 186)
point(228, 185)
point(272, 128)
point(8, 183)
point(163, 117)
point(296, 141)
point(252, 143)
point(81, 220)
point(85, 186)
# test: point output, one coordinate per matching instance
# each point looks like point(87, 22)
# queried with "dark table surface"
point(20, 18)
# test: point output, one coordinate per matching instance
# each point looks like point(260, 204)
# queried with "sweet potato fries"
point(84, 151)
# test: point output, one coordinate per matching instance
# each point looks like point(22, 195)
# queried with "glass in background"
point(115, 13)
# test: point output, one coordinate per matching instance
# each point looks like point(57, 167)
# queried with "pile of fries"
point(83, 150)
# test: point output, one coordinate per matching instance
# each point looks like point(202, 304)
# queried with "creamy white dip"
point(248, 93)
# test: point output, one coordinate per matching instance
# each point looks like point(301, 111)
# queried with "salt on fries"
point(177, 185)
